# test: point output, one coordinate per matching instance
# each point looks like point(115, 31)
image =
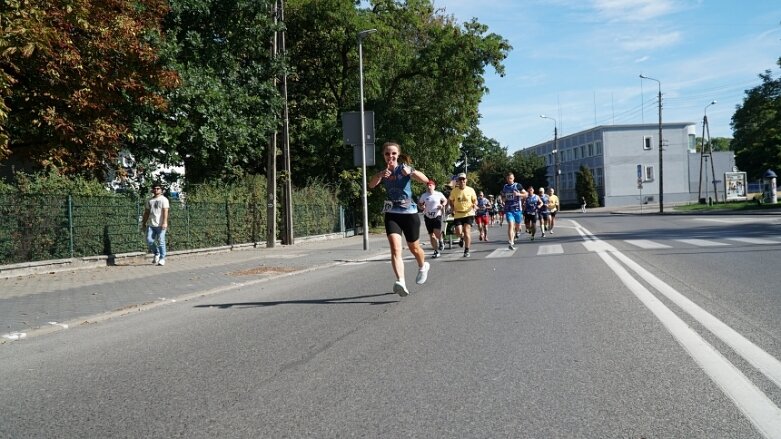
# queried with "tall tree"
point(74, 72)
point(585, 186)
point(756, 125)
point(220, 118)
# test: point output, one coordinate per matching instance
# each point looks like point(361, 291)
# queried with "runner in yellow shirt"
point(463, 201)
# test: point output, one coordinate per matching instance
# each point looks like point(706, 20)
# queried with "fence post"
point(342, 228)
point(70, 224)
point(228, 221)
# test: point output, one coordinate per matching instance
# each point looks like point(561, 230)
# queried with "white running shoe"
point(161, 262)
point(422, 274)
point(400, 289)
point(156, 259)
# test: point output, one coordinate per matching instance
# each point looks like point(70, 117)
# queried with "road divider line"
point(757, 407)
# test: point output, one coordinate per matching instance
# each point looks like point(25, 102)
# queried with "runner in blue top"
point(530, 207)
point(512, 193)
point(401, 212)
point(544, 211)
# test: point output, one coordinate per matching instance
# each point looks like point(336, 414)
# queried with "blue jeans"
point(156, 234)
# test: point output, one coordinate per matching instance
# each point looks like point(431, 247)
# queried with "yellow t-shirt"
point(463, 202)
point(553, 203)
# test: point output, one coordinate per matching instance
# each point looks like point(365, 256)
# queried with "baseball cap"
point(461, 175)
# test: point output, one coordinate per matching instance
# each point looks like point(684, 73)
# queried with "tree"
point(717, 144)
point(219, 120)
point(585, 186)
point(74, 73)
point(756, 125)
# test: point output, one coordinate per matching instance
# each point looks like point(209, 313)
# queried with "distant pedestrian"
point(155, 221)
point(401, 213)
point(583, 204)
point(531, 206)
point(433, 203)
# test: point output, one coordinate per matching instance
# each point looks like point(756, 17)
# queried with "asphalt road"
point(615, 326)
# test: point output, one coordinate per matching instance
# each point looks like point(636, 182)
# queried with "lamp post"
point(706, 128)
point(661, 165)
point(361, 35)
point(555, 151)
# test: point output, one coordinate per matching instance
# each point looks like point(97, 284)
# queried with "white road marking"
point(645, 244)
point(702, 242)
point(61, 325)
point(501, 253)
point(14, 336)
point(755, 240)
point(553, 249)
point(757, 407)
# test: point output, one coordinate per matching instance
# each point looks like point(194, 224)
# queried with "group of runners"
point(467, 207)
point(520, 207)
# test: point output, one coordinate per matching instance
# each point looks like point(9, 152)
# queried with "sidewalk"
point(41, 303)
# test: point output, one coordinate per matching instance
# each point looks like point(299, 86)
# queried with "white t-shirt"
point(430, 202)
point(155, 206)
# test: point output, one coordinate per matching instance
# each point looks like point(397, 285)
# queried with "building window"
point(692, 143)
point(649, 173)
point(599, 148)
point(647, 143)
point(576, 153)
point(599, 176)
point(583, 151)
point(590, 149)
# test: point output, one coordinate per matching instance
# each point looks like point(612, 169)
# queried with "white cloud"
point(633, 10)
point(650, 42)
point(642, 59)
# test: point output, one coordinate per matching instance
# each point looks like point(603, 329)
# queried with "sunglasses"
point(462, 179)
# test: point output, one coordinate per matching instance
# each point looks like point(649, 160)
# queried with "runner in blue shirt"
point(530, 207)
point(512, 194)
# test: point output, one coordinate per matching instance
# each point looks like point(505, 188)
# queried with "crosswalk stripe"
point(501, 253)
point(554, 249)
point(755, 240)
point(702, 242)
point(645, 244)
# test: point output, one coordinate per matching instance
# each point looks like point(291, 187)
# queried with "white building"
point(618, 155)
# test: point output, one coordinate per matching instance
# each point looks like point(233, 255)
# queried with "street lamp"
point(555, 151)
point(361, 35)
point(661, 165)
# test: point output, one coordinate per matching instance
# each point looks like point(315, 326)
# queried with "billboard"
point(735, 186)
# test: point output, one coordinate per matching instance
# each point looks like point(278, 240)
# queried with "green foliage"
point(54, 183)
point(219, 120)
point(757, 128)
point(585, 186)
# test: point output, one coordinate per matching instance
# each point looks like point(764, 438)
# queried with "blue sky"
point(579, 62)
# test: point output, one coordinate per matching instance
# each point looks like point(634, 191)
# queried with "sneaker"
point(400, 289)
point(543, 235)
point(511, 246)
point(422, 274)
point(532, 237)
point(550, 231)
point(466, 253)
point(161, 262)
point(461, 242)
point(155, 259)
point(436, 254)
point(517, 235)
point(441, 244)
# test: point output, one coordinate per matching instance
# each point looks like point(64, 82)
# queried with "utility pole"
point(271, 163)
point(661, 147)
point(287, 237)
point(706, 154)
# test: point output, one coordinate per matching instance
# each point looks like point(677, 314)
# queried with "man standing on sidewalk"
point(463, 201)
point(156, 215)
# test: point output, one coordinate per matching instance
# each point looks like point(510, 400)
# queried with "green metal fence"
point(41, 227)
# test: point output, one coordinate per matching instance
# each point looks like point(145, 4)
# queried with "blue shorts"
point(514, 216)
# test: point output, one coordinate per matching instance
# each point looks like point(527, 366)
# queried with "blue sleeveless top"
point(398, 193)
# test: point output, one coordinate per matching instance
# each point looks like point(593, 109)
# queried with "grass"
point(728, 206)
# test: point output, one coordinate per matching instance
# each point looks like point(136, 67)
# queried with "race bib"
point(432, 214)
point(387, 206)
